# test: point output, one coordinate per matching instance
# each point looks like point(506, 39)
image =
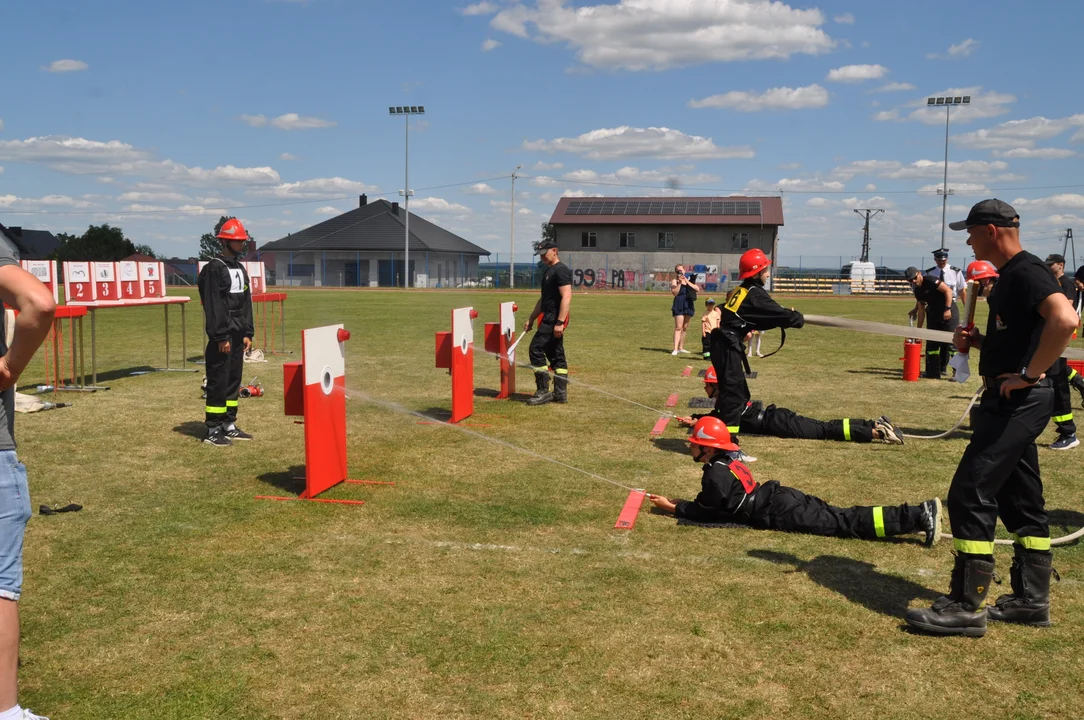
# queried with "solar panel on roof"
point(664, 207)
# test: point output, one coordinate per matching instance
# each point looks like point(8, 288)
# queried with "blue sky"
point(158, 117)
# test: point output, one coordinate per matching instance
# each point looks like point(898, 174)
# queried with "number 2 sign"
point(78, 283)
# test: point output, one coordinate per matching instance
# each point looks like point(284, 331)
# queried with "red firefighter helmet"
point(980, 270)
point(711, 432)
point(232, 229)
point(752, 262)
point(710, 377)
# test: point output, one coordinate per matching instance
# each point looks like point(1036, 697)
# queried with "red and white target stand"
point(455, 353)
point(499, 337)
point(315, 389)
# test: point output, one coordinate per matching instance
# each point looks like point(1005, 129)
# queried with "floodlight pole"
point(948, 102)
point(512, 261)
point(406, 111)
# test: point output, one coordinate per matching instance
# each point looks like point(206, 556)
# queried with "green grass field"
point(487, 583)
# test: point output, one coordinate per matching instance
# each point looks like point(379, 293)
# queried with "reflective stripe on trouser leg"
point(231, 403)
point(1072, 373)
point(847, 437)
point(878, 520)
point(973, 547)
point(1063, 418)
point(1032, 543)
point(215, 410)
point(543, 369)
point(733, 429)
point(561, 371)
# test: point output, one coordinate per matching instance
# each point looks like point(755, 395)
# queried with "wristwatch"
point(1025, 378)
point(559, 322)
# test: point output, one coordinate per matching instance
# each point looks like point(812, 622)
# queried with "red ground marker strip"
point(627, 518)
point(368, 482)
point(687, 371)
point(660, 426)
point(672, 400)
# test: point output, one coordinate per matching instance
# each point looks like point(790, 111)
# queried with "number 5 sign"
point(150, 277)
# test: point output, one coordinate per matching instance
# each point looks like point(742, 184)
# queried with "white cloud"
point(963, 49)
point(547, 166)
point(844, 19)
point(1035, 153)
point(1, 123)
point(871, 188)
point(13, 202)
point(59, 66)
point(660, 34)
point(1063, 201)
point(581, 193)
point(781, 98)
point(794, 184)
point(894, 87)
point(1018, 133)
point(1078, 136)
point(887, 115)
point(958, 171)
point(959, 188)
point(481, 189)
point(315, 189)
point(482, 8)
point(287, 156)
point(293, 121)
point(327, 210)
point(490, 44)
point(626, 142)
point(672, 177)
point(857, 73)
point(253, 120)
point(151, 197)
point(983, 105)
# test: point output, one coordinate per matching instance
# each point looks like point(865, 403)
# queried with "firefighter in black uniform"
point(784, 423)
point(729, 494)
point(227, 308)
point(1029, 327)
point(1059, 373)
point(957, 282)
point(749, 308)
point(934, 303)
point(548, 343)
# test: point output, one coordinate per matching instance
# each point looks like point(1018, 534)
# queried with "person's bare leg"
point(684, 328)
point(9, 654)
point(677, 332)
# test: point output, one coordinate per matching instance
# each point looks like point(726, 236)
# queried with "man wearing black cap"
point(1059, 373)
point(954, 278)
point(548, 344)
point(934, 303)
point(1029, 327)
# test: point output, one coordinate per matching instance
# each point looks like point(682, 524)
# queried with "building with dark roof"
point(635, 242)
point(29, 244)
point(364, 247)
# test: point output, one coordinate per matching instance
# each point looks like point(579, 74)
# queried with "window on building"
point(627, 240)
point(588, 239)
point(741, 241)
point(666, 240)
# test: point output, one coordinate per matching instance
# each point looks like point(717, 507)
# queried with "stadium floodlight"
point(947, 102)
point(406, 111)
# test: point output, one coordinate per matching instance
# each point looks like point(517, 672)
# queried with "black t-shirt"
point(1014, 327)
point(929, 293)
point(556, 277)
point(1068, 287)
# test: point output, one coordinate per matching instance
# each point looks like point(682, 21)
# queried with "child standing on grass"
point(705, 331)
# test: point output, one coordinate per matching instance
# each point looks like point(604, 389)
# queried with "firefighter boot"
point(962, 611)
point(753, 418)
point(1029, 602)
point(560, 388)
point(542, 394)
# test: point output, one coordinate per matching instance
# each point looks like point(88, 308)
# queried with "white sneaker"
point(675, 353)
point(746, 458)
point(683, 350)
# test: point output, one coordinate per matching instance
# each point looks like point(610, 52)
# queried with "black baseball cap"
point(910, 272)
point(1080, 273)
point(1053, 258)
point(544, 246)
point(940, 253)
point(989, 212)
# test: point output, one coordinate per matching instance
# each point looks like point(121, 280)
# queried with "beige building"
point(633, 243)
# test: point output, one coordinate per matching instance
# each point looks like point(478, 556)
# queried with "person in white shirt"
point(956, 280)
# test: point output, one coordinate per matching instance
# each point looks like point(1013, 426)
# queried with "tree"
point(146, 250)
point(549, 232)
point(99, 242)
point(209, 244)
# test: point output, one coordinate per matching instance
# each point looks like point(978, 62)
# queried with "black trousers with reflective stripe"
point(224, 372)
point(1063, 399)
point(999, 472)
point(937, 354)
point(794, 511)
point(547, 349)
point(733, 395)
point(784, 423)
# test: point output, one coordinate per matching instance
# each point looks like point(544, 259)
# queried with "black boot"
point(542, 394)
point(752, 418)
point(560, 388)
point(962, 611)
point(1029, 603)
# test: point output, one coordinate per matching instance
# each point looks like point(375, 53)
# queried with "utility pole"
point(1069, 243)
point(948, 102)
point(512, 260)
point(865, 231)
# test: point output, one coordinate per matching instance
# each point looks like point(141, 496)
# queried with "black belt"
point(991, 382)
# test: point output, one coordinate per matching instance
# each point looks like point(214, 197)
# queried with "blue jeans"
point(14, 513)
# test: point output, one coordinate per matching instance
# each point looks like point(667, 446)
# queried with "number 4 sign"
point(130, 286)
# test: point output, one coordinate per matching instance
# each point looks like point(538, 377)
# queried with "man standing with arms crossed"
point(1029, 327)
point(548, 344)
point(25, 293)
